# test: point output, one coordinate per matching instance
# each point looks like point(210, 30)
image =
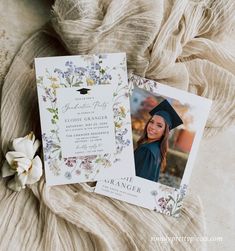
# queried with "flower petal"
point(10, 156)
point(22, 179)
point(25, 146)
point(35, 172)
point(36, 145)
point(30, 136)
point(14, 185)
point(21, 165)
point(6, 170)
point(17, 141)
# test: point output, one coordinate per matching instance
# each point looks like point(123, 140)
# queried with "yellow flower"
point(53, 79)
point(54, 85)
point(117, 125)
point(90, 81)
point(54, 82)
point(122, 110)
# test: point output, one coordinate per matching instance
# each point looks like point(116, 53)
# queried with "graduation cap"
point(165, 110)
point(83, 91)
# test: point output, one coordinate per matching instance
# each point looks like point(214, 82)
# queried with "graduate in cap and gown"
point(150, 154)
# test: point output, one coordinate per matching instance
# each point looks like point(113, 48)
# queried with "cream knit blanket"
point(173, 42)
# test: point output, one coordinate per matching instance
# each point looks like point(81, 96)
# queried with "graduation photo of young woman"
point(150, 155)
point(163, 130)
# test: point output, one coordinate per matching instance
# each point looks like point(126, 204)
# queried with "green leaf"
point(60, 155)
point(39, 80)
point(68, 81)
point(77, 84)
point(56, 146)
point(98, 161)
point(171, 198)
point(51, 110)
point(47, 72)
point(102, 71)
point(176, 212)
point(55, 150)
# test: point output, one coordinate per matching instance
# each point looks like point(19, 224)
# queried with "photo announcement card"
point(167, 126)
point(85, 117)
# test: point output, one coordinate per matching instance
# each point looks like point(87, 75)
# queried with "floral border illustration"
point(169, 200)
point(93, 74)
point(144, 83)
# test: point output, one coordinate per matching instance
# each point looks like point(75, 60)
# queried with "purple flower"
point(86, 162)
point(162, 202)
point(183, 190)
point(70, 162)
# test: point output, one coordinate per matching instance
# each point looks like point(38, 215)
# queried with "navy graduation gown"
point(148, 160)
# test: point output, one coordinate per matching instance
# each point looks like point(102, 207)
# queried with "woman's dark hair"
point(163, 143)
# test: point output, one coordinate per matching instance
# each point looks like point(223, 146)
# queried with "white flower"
point(27, 145)
point(22, 164)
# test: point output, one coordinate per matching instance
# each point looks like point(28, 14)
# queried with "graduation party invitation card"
point(85, 117)
point(167, 125)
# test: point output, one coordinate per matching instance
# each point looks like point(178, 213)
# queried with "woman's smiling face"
point(156, 128)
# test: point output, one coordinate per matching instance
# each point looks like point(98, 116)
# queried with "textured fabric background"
point(173, 42)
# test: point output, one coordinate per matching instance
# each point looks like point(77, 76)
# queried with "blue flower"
point(68, 63)
point(102, 56)
point(183, 190)
point(59, 72)
point(44, 136)
point(128, 142)
point(66, 74)
point(47, 91)
point(154, 193)
point(97, 66)
point(68, 175)
point(125, 131)
point(48, 145)
point(80, 70)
